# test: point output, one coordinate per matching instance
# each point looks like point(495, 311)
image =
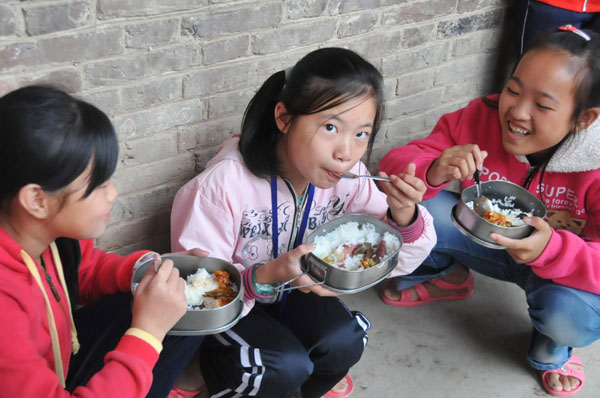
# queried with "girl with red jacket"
point(57, 155)
point(542, 133)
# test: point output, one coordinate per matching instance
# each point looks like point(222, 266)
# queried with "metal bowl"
point(475, 227)
point(208, 320)
point(345, 281)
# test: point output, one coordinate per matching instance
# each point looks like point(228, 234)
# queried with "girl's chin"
point(511, 143)
point(324, 185)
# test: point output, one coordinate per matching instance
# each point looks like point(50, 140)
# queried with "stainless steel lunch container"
point(202, 321)
point(345, 281)
point(478, 229)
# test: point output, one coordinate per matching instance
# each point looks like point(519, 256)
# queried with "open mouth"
point(518, 131)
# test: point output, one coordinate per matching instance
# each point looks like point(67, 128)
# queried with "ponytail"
point(259, 130)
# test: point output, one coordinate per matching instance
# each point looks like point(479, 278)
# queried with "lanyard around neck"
point(274, 218)
point(56, 351)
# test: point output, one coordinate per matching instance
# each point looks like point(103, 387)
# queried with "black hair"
point(585, 64)
point(321, 80)
point(47, 137)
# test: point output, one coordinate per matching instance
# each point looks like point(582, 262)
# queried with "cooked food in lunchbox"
point(206, 290)
point(503, 212)
point(354, 246)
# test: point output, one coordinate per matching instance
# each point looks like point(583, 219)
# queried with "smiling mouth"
point(517, 131)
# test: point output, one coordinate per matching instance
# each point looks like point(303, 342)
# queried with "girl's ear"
point(34, 200)
point(281, 117)
point(587, 117)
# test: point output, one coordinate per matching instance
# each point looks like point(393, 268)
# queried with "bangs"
point(103, 140)
point(327, 94)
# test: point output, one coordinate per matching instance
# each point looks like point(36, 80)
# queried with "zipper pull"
point(53, 288)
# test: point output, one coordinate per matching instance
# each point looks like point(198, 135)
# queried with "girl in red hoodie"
point(541, 132)
point(57, 155)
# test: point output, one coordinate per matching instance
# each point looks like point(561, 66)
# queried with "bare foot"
point(559, 382)
point(455, 278)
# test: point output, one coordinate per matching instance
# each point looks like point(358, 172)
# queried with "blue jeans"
point(562, 317)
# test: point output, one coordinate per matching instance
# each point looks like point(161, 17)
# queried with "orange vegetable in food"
point(497, 218)
point(225, 292)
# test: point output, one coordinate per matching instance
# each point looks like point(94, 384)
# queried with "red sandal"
point(343, 394)
point(177, 392)
point(565, 370)
point(424, 296)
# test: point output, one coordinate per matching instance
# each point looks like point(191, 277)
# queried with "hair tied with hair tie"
point(571, 28)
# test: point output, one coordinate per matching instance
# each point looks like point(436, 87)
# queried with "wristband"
point(263, 289)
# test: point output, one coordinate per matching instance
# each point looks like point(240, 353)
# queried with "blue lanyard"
point(275, 223)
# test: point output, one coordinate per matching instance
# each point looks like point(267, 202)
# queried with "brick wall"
point(176, 75)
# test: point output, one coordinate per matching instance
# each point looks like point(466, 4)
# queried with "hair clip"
point(571, 28)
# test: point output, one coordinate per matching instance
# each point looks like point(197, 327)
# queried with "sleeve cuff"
point(412, 231)
point(149, 256)
point(147, 337)
point(551, 251)
point(250, 291)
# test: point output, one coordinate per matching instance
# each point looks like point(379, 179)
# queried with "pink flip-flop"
point(177, 392)
point(424, 296)
point(343, 394)
point(565, 370)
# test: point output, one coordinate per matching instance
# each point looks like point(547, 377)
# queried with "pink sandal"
point(424, 296)
point(565, 370)
point(177, 392)
point(343, 394)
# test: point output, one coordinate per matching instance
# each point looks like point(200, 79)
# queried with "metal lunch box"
point(345, 281)
point(477, 229)
point(208, 320)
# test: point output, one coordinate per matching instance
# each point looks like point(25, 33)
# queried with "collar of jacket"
point(580, 152)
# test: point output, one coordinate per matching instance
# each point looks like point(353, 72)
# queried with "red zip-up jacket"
point(575, 5)
point(26, 358)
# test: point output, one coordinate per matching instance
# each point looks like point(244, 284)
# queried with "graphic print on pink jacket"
point(226, 210)
point(571, 186)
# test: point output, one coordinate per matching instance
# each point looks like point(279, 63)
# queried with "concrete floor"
point(469, 348)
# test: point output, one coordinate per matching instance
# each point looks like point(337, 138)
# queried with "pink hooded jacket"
point(571, 186)
point(226, 210)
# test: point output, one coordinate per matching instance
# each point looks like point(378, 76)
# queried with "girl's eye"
point(511, 91)
point(330, 128)
point(363, 135)
point(542, 107)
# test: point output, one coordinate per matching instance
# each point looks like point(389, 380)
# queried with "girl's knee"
point(287, 374)
point(560, 313)
point(345, 345)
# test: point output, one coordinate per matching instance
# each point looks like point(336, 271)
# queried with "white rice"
point(197, 284)
point(507, 208)
point(351, 233)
